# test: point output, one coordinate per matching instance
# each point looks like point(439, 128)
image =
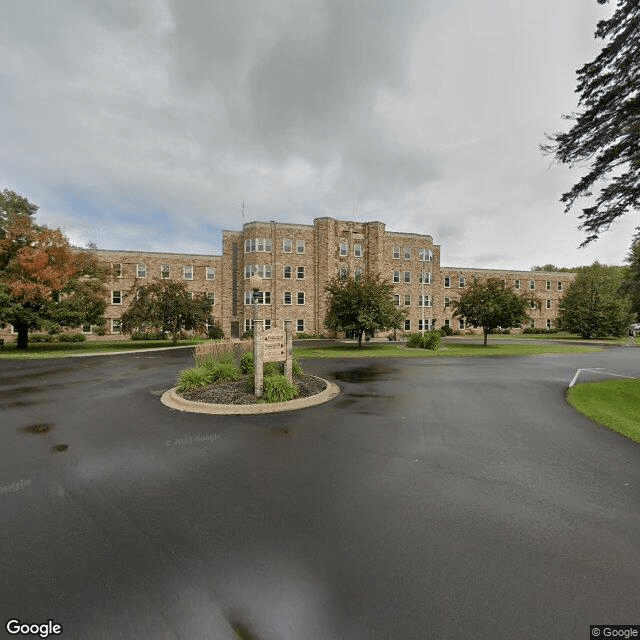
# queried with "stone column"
point(258, 358)
point(288, 363)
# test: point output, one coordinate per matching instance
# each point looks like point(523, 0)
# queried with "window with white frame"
point(532, 304)
point(548, 303)
point(462, 282)
point(548, 285)
point(286, 272)
point(286, 297)
point(357, 250)
point(447, 303)
point(461, 324)
point(425, 277)
point(396, 299)
point(190, 295)
point(287, 245)
point(300, 325)
point(517, 284)
point(396, 276)
point(165, 271)
point(396, 253)
point(211, 273)
point(343, 271)
point(425, 255)
point(264, 297)
point(300, 297)
point(407, 325)
point(211, 297)
point(299, 246)
point(426, 325)
point(447, 322)
point(187, 273)
point(407, 300)
point(344, 248)
point(358, 273)
point(425, 301)
point(117, 269)
point(447, 282)
point(248, 324)
point(263, 270)
point(257, 244)
point(559, 285)
point(407, 276)
point(116, 297)
point(549, 323)
point(141, 270)
point(407, 253)
point(300, 273)
point(116, 325)
point(532, 284)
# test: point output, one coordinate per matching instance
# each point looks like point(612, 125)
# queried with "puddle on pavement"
point(40, 427)
point(363, 374)
point(59, 447)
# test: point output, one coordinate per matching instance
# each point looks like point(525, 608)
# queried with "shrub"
point(246, 363)
point(100, 330)
point(41, 337)
point(415, 341)
point(149, 335)
point(222, 371)
point(296, 367)
point(272, 369)
point(432, 340)
point(446, 330)
point(307, 336)
point(215, 332)
point(247, 335)
point(72, 337)
point(278, 389)
point(192, 378)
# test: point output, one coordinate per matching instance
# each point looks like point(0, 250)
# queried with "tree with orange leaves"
point(44, 283)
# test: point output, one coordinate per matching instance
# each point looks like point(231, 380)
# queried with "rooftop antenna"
point(243, 214)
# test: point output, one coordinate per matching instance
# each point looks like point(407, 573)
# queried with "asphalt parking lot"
point(443, 498)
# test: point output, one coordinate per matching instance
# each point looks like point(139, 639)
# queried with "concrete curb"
point(172, 400)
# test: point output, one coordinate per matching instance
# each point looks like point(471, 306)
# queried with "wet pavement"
point(440, 498)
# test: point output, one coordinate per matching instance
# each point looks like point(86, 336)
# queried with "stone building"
point(296, 261)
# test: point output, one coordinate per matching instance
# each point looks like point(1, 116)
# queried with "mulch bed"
point(236, 392)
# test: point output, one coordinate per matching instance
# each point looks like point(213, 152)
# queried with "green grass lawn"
point(391, 350)
point(550, 336)
point(41, 350)
point(614, 404)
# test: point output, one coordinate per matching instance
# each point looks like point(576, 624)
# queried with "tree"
point(631, 283)
point(551, 267)
point(606, 131)
point(592, 306)
point(359, 305)
point(492, 304)
point(165, 306)
point(44, 284)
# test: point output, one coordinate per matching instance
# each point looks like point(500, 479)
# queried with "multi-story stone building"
point(296, 261)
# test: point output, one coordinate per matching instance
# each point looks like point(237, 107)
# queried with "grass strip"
point(613, 403)
point(382, 350)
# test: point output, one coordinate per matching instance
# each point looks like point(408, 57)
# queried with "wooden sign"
point(275, 346)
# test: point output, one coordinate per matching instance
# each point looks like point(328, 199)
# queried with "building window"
point(461, 282)
point(549, 324)
point(407, 276)
point(357, 250)
point(264, 297)
point(532, 284)
point(447, 282)
point(190, 295)
point(116, 297)
point(517, 284)
point(86, 328)
point(344, 248)
point(165, 271)
point(358, 273)
point(248, 324)
point(116, 325)
point(287, 245)
point(426, 255)
point(461, 324)
point(407, 300)
point(344, 271)
point(548, 285)
point(300, 273)
point(117, 269)
point(211, 273)
point(548, 303)
point(447, 322)
point(299, 246)
point(300, 326)
point(263, 270)
point(211, 297)
point(187, 273)
point(286, 272)
point(532, 324)
point(396, 299)
point(396, 253)
point(141, 270)
point(559, 286)
point(257, 244)
point(396, 276)
point(532, 304)
point(425, 301)
point(407, 253)
point(425, 277)
point(407, 325)
point(447, 303)
point(286, 296)
point(300, 297)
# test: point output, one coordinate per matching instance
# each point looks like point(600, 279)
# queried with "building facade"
point(296, 261)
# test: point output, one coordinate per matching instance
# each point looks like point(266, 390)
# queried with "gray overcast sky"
point(144, 124)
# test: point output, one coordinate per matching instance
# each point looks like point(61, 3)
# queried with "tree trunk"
point(360, 339)
point(486, 333)
point(23, 335)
